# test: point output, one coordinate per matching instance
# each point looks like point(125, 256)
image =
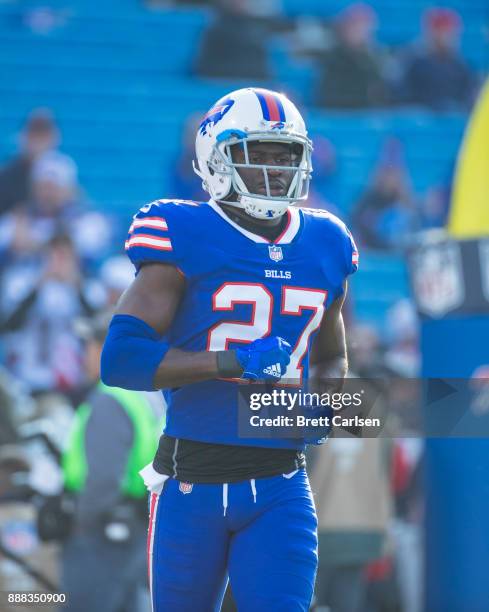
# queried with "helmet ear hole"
point(211, 169)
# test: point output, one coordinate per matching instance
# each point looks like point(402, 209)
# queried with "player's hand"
point(265, 359)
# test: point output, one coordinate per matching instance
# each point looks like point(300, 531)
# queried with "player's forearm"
point(135, 357)
point(180, 368)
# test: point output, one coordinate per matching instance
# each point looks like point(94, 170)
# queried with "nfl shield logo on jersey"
point(186, 487)
point(275, 253)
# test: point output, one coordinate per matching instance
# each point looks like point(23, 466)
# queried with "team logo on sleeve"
point(275, 253)
point(215, 115)
point(185, 487)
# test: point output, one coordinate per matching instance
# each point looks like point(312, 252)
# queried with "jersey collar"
point(288, 234)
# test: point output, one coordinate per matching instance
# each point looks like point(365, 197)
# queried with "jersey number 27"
point(294, 301)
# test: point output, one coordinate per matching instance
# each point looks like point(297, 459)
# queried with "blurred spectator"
point(350, 482)
point(323, 190)
point(183, 182)
point(365, 351)
point(350, 71)
point(104, 559)
point(38, 135)
point(436, 75)
point(435, 206)
point(408, 488)
point(39, 301)
point(233, 51)
point(55, 207)
point(54, 182)
point(34, 567)
point(116, 275)
point(402, 355)
point(386, 214)
point(43, 20)
point(436, 202)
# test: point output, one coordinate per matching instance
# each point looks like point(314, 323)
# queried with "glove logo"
point(273, 370)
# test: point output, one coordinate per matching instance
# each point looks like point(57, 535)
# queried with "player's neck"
point(266, 228)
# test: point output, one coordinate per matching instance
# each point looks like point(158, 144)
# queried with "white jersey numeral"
point(227, 297)
point(294, 301)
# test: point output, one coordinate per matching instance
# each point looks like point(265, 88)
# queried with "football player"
point(244, 286)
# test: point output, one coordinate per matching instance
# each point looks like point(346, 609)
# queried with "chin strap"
point(258, 208)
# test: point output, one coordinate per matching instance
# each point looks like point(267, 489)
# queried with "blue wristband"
point(132, 352)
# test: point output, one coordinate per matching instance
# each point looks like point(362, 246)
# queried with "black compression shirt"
point(201, 462)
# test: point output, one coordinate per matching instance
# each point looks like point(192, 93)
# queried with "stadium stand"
point(119, 79)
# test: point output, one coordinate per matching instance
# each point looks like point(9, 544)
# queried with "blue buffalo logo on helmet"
point(215, 115)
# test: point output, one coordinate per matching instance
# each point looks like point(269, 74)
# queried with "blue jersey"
point(240, 287)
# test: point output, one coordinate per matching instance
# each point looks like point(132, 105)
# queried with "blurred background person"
point(436, 75)
point(235, 52)
point(406, 528)
point(38, 135)
point(367, 352)
point(323, 192)
point(39, 304)
point(114, 435)
point(402, 354)
point(56, 205)
point(350, 72)
point(386, 216)
point(54, 185)
point(116, 274)
point(184, 183)
point(435, 205)
point(350, 479)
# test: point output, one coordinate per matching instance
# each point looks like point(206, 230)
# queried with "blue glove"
point(264, 359)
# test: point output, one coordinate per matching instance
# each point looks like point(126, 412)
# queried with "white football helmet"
point(244, 116)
